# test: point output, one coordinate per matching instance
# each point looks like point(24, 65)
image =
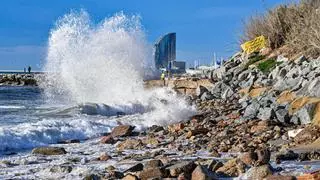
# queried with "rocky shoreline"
point(256, 119)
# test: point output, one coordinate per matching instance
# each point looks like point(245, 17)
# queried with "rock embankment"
point(19, 79)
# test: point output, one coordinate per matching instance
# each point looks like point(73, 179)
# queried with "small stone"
point(202, 173)
point(259, 172)
point(152, 173)
point(263, 157)
point(130, 144)
point(154, 163)
point(229, 169)
point(122, 131)
point(130, 177)
point(61, 169)
point(104, 157)
point(107, 140)
point(92, 177)
point(182, 167)
point(49, 150)
point(249, 158)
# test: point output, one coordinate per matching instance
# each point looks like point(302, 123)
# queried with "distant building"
point(179, 67)
point(165, 51)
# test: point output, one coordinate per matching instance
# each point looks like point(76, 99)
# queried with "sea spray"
point(98, 69)
point(106, 63)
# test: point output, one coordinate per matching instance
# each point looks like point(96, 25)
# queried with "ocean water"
point(93, 81)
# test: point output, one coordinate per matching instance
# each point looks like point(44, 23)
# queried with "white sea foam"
point(11, 107)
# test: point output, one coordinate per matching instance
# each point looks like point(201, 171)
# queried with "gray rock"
point(315, 63)
point(300, 59)
point(61, 169)
point(295, 120)
point(251, 110)
point(206, 96)
point(259, 172)
point(266, 114)
point(282, 115)
point(248, 83)
point(227, 93)
point(305, 114)
point(294, 72)
point(200, 90)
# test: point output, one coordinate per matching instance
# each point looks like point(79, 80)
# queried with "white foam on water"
point(12, 107)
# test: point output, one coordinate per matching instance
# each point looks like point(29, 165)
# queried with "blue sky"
point(202, 26)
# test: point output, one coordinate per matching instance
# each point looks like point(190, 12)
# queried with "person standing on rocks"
point(29, 69)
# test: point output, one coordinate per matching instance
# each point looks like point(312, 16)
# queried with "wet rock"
point(202, 173)
point(130, 177)
point(230, 169)
point(107, 140)
point(135, 168)
point(263, 157)
point(249, 158)
point(214, 165)
point(92, 177)
point(155, 128)
point(49, 150)
point(153, 173)
point(182, 167)
point(130, 144)
point(70, 141)
point(104, 157)
point(115, 175)
point(122, 130)
point(154, 163)
point(61, 169)
point(197, 131)
point(288, 156)
point(259, 172)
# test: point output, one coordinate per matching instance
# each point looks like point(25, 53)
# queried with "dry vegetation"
point(296, 25)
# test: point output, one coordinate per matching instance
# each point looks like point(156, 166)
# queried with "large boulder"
point(122, 130)
point(259, 172)
point(49, 151)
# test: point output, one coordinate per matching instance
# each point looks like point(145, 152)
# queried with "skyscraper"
point(165, 50)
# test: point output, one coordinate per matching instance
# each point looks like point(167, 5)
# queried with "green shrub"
point(254, 59)
point(268, 65)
